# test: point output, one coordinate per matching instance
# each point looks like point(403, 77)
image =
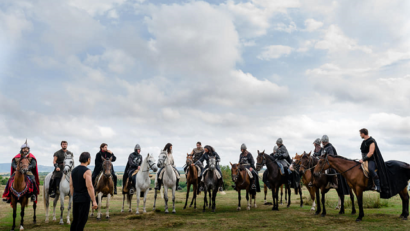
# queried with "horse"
point(274, 177)
point(191, 178)
point(242, 181)
point(169, 180)
point(19, 192)
point(320, 181)
point(104, 187)
point(142, 183)
point(211, 183)
point(265, 190)
point(351, 170)
point(64, 190)
point(305, 171)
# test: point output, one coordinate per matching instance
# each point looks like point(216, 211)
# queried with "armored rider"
point(134, 163)
point(283, 159)
point(246, 160)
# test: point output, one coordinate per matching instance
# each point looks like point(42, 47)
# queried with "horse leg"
point(359, 195)
point(404, 195)
point(187, 195)
point(301, 198)
point(277, 199)
point(342, 200)
point(138, 191)
point(265, 190)
point(352, 199)
point(130, 203)
point(324, 203)
point(155, 199)
point(239, 199)
point(61, 208)
point(22, 214)
point(123, 202)
point(247, 200)
point(14, 203)
point(205, 201)
point(195, 188)
point(99, 206)
point(174, 188)
point(281, 194)
point(34, 216)
point(54, 206)
point(318, 209)
point(70, 201)
point(273, 196)
point(210, 198)
point(215, 191)
point(288, 191)
point(166, 198)
point(145, 199)
point(46, 199)
point(107, 214)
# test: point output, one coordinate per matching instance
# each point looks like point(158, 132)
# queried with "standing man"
point(371, 154)
point(133, 164)
point(247, 161)
point(58, 163)
point(82, 189)
point(283, 160)
point(106, 154)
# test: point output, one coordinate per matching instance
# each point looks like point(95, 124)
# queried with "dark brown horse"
point(274, 177)
point(353, 173)
point(104, 187)
point(20, 188)
point(242, 181)
point(191, 178)
point(304, 170)
point(265, 190)
point(321, 181)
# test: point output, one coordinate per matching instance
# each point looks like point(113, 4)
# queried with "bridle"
point(70, 167)
point(235, 176)
point(23, 168)
point(260, 165)
point(105, 167)
point(327, 162)
point(189, 160)
point(307, 168)
point(149, 165)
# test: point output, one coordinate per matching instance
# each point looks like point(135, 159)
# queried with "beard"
point(64, 149)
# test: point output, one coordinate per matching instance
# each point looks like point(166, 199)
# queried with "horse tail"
point(45, 200)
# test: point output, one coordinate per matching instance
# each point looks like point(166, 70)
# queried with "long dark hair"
point(168, 148)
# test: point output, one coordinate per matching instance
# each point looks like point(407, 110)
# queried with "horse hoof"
point(144, 211)
point(353, 213)
point(21, 228)
point(122, 210)
point(203, 210)
point(174, 212)
point(256, 206)
point(288, 206)
point(184, 208)
point(213, 210)
point(341, 212)
point(323, 215)
point(107, 218)
point(46, 221)
point(68, 223)
point(61, 223)
point(98, 219)
point(239, 209)
point(358, 220)
point(166, 212)
point(404, 218)
point(248, 208)
point(137, 213)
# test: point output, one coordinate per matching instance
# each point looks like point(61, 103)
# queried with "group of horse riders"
point(200, 154)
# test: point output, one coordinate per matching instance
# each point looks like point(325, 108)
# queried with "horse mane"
point(345, 158)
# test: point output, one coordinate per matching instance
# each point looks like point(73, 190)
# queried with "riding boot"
point(115, 184)
point(333, 183)
point(158, 185)
point(377, 185)
point(33, 197)
point(51, 189)
point(178, 187)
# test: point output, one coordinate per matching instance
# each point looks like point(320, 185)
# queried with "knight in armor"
point(197, 153)
point(106, 154)
point(370, 150)
point(318, 149)
point(32, 172)
point(330, 150)
point(283, 159)
point(168, 151)
point(58, 164)
point(246, 160)
point(134, 163)
point(209, 151)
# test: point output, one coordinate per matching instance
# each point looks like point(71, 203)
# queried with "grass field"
point(226, 216)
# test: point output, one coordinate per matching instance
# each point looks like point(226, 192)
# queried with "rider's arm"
point(55, 160)
point(113, 158)
point(14, 164)
point(89, 184)
point(252, 162)
point(32, 164)
point(371, 150)
point(218, 159)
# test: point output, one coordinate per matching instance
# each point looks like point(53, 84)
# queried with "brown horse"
point(191, 178)
point(20, 188)
point(242, 181)
point(354, 175)
point(304, 170)
point(104, 187)
point(274, 177)
point(265, 190)
point(320, 181)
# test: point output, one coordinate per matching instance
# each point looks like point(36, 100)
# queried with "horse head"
point(189, 159)
point(68, 164)
point(235, 172)
point(161, 160)
point(22, 165)
point(305, 162)
point(321, 166)
point(260, 160)
point(107, 167)
point(212, 163)
point(151, 163)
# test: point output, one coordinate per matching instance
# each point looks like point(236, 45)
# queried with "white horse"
point(142, 184)
point(64, 190)
point(169, 180)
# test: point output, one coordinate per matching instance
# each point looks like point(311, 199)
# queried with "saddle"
point(127, 185)
point(365, 168)
point(198, 169)
point(161, 174)
point(247, 171)
point(28, 190)
point(218, 175)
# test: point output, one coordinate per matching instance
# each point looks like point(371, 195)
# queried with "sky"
point(224, 73)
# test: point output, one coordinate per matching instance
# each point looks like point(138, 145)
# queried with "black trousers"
point(372, 169)
point(80, 215)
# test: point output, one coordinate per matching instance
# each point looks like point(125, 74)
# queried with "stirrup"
point(131, 191)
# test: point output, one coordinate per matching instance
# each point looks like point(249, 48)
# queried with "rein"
point(335, 174)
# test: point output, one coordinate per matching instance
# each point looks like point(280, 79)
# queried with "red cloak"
point(35, 173)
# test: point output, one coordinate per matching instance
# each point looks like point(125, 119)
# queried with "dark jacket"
point(246, 159)
point(282, 156)
point(205, 157)
point(99, 161)
point(329, 149)
point(134, 161)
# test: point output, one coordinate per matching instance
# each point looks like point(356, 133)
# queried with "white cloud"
point(312, 25)
point(96, 7)
point(275, 52)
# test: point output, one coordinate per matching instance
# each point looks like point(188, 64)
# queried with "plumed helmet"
point(279, 141)
point(137, 147)
point(243, 147)
point(317, 141)
point(325, 139)
point(275, 148)
point(25, 145)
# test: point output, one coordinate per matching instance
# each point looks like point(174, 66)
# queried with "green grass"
point(383, 215)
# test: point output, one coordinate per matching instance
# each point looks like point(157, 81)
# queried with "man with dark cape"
point(133, 164)
point(106, 154)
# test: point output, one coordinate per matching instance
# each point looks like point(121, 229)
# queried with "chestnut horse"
point(104, 187)
point(304, 170)
point(20, 188)
point(274, 177)
point(191, 178)
point(242, 181)
point(352, 172)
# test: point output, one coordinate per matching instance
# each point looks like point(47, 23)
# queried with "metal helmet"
point(325, 139)
point(317, 141)
point(137, 147)
point(25, 145)
point(279, 141)
point(243, 147)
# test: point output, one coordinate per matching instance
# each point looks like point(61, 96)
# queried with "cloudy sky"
point(221, 72)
